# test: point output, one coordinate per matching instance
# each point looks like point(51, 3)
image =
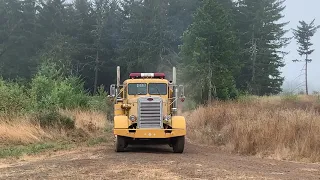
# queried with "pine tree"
point(106, 34)
point(151, 33)
point(209, 53)
point(10, 23)
point(56, 45)
point(82, 24)
point(110, 42)
point(145, 35)
point(303, 35)
point(262, 37)
point(18, 38)
point(53, 17)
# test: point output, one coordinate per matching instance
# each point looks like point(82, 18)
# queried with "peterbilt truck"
point(146, 108)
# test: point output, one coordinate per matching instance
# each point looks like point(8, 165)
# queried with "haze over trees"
point(221, 48)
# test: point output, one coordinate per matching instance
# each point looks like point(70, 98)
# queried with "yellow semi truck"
point(145, 110)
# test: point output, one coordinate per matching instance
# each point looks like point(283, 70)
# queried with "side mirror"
point(182, 98)
point(112, 91)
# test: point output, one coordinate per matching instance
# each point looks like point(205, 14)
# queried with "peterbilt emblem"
point(150, 99)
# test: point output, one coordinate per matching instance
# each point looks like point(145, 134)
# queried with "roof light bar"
point(147, 75)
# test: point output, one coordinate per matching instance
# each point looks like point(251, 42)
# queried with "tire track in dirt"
point(154, 162)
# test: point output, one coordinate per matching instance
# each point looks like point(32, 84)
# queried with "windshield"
point(137, 88)
point(157, 89)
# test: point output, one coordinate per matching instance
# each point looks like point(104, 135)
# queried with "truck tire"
point(178, 144)
point(120, 144)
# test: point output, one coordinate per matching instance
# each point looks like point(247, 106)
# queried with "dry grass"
point(89, 121)
point(24, 130)
point(21, 131)
point(281, 128)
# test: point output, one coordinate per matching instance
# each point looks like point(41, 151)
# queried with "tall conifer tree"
point(262, 38)
point(303, 35)
point(209, 53)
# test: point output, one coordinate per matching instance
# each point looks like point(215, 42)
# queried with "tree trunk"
point(210, 87)
point(307, 92)
point(253, 87)
point(96, 73)
point(210, 82)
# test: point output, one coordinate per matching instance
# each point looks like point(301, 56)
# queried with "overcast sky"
point(302, 10)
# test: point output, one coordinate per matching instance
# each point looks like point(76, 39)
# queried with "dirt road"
point(153, 163)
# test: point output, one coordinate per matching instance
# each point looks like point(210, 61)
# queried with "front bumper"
point(150, 133)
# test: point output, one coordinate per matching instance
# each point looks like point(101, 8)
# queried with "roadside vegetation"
point(283, 127)
point(51, 112)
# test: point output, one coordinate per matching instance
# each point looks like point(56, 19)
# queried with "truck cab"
point(145, 108)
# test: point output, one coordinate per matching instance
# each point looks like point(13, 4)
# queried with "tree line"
point(89, 38)
point(221, 47)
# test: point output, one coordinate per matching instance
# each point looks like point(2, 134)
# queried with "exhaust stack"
point(118, 79)
point(175, 91)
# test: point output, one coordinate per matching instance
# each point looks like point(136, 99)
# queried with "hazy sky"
point(302, 10)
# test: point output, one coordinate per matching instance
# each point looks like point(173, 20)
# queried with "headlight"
point(167, 118)
point(132, 118)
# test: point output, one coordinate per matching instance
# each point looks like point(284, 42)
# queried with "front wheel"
point(120, 143)
point(178, 144)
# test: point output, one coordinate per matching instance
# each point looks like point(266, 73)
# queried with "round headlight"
point(132, 118)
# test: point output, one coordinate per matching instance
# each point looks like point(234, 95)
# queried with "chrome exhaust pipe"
point(118, 79)
point(175, 91)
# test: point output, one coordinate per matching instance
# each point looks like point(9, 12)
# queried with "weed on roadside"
point(18, 151)
point(96, 141)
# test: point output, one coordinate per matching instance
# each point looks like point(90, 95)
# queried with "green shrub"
point(13, 98)
point(99, 101)
point(54, 119)
point(41, 90)
point(51, 90)
point(69, 94)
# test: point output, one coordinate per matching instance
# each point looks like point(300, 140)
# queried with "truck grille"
point(150, 112)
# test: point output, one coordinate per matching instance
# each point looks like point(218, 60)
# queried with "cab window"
point(157, 88)
point(137, 89)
